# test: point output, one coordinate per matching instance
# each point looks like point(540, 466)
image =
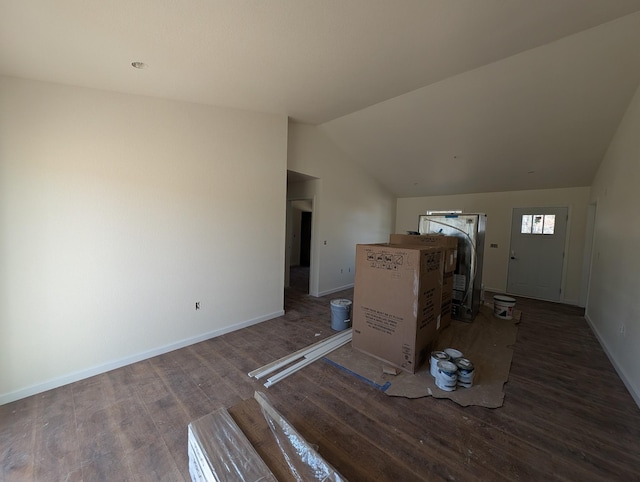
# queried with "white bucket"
point(503, 306)
point(453, 353)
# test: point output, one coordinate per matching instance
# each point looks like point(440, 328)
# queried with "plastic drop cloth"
point(220, 452)
point(305, 463)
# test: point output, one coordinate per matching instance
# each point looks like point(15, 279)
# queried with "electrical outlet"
point(197, 305)
point(494, 245)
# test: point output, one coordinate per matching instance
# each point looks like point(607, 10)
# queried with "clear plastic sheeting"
point(305, 463)
point(220, 452)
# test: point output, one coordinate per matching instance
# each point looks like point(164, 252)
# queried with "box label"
point(381, 321)
point(429, 307)
point(382, 260)
point(407, 355)
point(432, 261)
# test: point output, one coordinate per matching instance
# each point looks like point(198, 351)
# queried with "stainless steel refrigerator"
point(467, 278)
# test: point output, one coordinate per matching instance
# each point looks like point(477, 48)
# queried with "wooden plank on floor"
point(248, 415)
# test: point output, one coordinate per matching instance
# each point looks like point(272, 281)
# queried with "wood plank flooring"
point(566, 416)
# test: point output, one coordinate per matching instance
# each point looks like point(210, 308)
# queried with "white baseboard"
point(487, 289)
point(96, 370)
point(621, 372)
point(563, 301)
point(335, 290)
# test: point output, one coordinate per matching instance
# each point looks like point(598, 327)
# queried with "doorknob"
point(513, 255)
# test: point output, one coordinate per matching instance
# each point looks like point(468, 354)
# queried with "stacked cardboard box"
point(397, 302)
point(450, 244)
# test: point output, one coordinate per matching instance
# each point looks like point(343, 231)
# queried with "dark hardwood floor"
point(566, 415)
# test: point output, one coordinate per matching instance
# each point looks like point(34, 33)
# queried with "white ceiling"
point(430, 96)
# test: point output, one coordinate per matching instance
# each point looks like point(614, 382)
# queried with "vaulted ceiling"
point(429, 96)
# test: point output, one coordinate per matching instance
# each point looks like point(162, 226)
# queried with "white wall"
point(499, 207)
point(349, 206)
point(117, 214)
point(613, 308)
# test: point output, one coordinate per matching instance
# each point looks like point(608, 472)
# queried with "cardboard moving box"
point(397, 301)
point(447, 300)
point(450, 244)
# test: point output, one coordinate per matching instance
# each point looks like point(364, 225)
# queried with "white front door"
point(537, 252)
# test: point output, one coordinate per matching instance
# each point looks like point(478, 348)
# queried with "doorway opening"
point(300, 253)
point(300, 261)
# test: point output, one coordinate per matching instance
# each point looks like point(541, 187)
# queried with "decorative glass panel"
point(549, 224)
point(526, 224)
point(537, 224)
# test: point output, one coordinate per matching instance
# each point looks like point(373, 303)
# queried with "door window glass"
point(538, 224)
point(526, 224)
point(549, 224)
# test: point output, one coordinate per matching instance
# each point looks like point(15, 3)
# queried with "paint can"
point(453, 353)
point(466, 372)
point(503, 306)
point(340, 314)
point(436, 356)
point(447, 376)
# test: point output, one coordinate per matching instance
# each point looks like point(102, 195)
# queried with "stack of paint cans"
point(466, 372)
point(450, 369)
point(447, 376)
point(437, 356)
